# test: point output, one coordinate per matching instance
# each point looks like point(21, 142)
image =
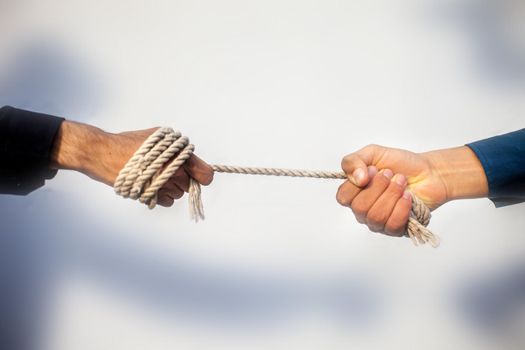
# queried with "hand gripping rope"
point(166, 150)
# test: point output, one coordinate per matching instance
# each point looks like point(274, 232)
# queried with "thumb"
point(356, 164)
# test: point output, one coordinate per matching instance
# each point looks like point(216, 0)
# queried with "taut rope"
point(166, 150)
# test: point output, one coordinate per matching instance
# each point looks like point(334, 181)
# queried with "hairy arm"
point(101, 155)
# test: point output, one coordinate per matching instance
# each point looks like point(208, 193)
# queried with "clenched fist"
point(379, 177)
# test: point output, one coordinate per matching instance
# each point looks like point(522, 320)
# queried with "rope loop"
point(166, 150)
point(152, 165)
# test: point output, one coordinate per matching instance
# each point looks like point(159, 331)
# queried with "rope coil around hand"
point(166, 150)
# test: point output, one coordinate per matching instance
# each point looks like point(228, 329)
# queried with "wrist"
point(460, 171)
point(70, 146)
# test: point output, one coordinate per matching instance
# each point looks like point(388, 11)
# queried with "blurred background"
point(277, 263)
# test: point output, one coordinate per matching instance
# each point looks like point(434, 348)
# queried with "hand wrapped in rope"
point(166, 150)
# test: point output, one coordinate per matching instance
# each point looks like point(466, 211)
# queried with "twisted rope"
point(146, 171)
point(166, 150)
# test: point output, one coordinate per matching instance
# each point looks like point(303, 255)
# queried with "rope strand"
point(166, 150)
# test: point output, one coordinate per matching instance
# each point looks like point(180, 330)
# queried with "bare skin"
point(376, 189)
point(379, 198)
point(101, 155)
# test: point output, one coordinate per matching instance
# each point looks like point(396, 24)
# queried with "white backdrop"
point(265, 83)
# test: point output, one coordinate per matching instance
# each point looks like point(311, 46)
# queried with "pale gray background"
point(277, 263)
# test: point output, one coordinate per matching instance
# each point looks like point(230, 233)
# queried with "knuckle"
point(164, 202)
point(374, 228)
point(396, 225)
point(396, 186)
point(380, 181)
point(395, 229)
point(341, 198)
point(394, 191)
point(370, 147)
point(359, 208)
point(360, 219)
point(375, 217)
point(181, 177)
point(178, 174)
point(181, 185)
point(347, 161)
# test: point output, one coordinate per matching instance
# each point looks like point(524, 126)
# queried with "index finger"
point(348, 190)
point(346, 193)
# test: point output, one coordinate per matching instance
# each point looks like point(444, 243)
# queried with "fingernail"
point(358, 175)
point(406, 194)
point(400, 179)
point(388, 173)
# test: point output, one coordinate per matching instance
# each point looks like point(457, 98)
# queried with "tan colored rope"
point(148, 169)
point(166, 150)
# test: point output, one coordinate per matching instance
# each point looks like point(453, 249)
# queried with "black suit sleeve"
point(26, 141)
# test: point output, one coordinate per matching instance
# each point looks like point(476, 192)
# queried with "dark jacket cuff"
point(26, 143)
point(503, 159)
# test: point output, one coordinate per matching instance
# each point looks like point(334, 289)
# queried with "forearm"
point(461, 172)
point(90, 150)
point(34, 146)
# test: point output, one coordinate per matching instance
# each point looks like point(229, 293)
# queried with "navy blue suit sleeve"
point(503, 158)
point(26, 141)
